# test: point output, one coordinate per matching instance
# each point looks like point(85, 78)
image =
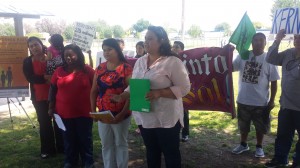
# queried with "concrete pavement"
point(16, 109)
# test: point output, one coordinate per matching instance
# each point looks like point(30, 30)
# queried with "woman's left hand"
point(152, 95)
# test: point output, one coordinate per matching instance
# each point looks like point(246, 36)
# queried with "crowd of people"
point(58, 74)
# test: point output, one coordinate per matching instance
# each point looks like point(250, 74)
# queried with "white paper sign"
point(59, 122)
point(83, 36)
point(288, 19)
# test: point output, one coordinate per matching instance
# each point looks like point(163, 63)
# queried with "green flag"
point(242, 36)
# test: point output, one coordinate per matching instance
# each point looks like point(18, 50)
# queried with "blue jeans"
point(78, 140)
point(288, 122)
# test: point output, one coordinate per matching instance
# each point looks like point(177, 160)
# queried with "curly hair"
point(162, 36)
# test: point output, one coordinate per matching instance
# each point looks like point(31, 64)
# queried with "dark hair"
point(58, 42)
point(180, 44)
point(165, 47)
point(119, 40)
point(141, 43)
point(80, 56)
point(259, 34)
point(113, 43)
point(33, 38)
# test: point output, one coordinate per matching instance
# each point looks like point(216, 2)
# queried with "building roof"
point(7, 10)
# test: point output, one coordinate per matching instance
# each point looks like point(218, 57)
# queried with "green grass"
point(19, 147)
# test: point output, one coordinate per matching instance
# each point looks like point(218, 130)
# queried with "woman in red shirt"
point(34, 69)
point(69, 97)
point(112, 77)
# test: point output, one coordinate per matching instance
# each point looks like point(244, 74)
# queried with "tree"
point(195, 31)
point(223, 27)
point(257, 25)
point(50, 26)
point(29, 28)
point(102, 28)
point(283, 4)
point(141, 25)
point(68, 32)
point(107, 33)
point(129, 32)
point(7, 29)
point(35, 34)
point(118, 31)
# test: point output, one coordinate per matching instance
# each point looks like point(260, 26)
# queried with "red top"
point(41, 90)
point(73, 92)
point(111, 82)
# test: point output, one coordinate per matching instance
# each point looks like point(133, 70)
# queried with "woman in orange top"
point(112, 77)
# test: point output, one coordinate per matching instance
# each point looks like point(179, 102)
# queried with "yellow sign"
point(13, 50)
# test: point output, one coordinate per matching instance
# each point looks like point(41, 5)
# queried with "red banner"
point(210, 73)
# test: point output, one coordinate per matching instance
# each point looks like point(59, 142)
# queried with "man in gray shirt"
point(289, 114)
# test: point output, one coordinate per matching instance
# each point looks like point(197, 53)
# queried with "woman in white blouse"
point(169, 83)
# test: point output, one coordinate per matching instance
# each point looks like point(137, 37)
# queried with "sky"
point(204, 13)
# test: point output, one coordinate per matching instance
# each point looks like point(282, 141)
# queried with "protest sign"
point(83, 36)
point(288, 19)
point(210, 73)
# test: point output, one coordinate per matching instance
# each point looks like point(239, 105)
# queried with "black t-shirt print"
point(251, 72)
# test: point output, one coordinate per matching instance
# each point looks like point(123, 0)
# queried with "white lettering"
point(206, 60)
point(223, 62)
point(196, 66)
